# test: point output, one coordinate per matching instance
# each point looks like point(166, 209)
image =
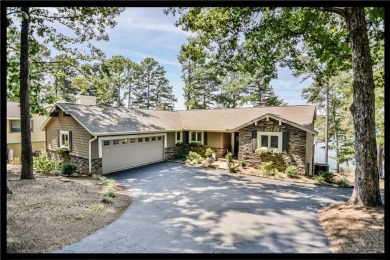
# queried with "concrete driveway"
point(184, 209)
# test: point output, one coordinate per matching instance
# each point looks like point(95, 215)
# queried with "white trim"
point(104, 138)
point(90, 154)
point(196, 135)
point(279, 134)
point(181, 137)
point(63, 132)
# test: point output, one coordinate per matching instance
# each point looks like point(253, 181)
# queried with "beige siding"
point(80, 136)
point(95, 149)
point(214, 140)
point(36, 146)
point(170, 139)
point(36, 134)
point(226, 139)
point(309, 151)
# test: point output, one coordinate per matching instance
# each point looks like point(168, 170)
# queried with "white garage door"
point(120, 154)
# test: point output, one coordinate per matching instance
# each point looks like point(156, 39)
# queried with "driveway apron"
point(185, 209)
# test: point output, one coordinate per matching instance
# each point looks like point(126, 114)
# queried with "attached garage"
point(124, 153)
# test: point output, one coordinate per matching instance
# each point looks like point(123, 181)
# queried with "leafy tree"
point(152, 89)
point(88, 24)
point(247, 37)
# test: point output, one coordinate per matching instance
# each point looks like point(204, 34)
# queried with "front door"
point(236, 143)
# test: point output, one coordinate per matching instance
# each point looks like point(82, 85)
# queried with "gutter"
point(90, 153)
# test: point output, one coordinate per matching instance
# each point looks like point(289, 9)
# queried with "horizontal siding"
point(170, 139)
point(95, 149)
point(80, 136)
point(226, 139)
point(214, 140)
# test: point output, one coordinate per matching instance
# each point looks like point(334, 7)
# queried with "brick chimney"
point(87, 98)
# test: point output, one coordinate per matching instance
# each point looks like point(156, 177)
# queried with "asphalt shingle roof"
point(101, 120)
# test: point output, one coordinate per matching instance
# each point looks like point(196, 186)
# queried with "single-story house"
point(103, 139)
point(13, 130)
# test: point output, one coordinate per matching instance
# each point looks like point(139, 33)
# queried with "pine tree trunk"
point(326, 123)
point(27, 163)
point(366, 190)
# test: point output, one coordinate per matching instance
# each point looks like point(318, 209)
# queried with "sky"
point(148, 32)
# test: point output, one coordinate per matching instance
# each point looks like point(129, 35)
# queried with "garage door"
point(120, 154)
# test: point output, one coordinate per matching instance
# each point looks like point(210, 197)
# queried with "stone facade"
point(82, 164)
point(296, 154)
point(183, 150)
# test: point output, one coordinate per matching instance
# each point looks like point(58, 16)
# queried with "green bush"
point(43, 164)
point(68, 168)
point(110, 192)
point(292, 171)
point(195, 144)
point(328, 176)
point(96, 177)
point(194, 156)
point(230, 162)
point(343, 183)
point(243, 163)
point(106, 199)
point(262, 150)
point(319, 179)
point(267, 168)
point(179, 144)
point(209, 152)
point(279, 174)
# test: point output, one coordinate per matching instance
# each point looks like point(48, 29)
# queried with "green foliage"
point(193, 156)
point(230, 162)
point(243, 163)
point(323, 176)
point(319, 179)
point(279, 175)
point(110, 192)
point(68, 168)
point(267, 168)
point(343, 183)
point(267, 151)
point(97, 207)
point(44, 165)
point(106, 199)
point(79, 217)
point(96, 177)
point(292, 171)
point(179, 144)
point(209, 152)
point(195, 144)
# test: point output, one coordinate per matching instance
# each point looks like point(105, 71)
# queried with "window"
point(132, 140)
point(178, 136)
point(153, 138)
point(64, 139)
point(196, 136)
point(147, 139)
point(139, 140)
point(271, 140)
point(125, 141)
point(106, 143)
point(15, 126)
point(159, 138)
point(115, 142)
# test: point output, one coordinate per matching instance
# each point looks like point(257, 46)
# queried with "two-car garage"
point(123, 153)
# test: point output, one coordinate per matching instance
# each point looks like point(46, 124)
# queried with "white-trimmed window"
point(271, 140)
point(196, 137)
point(106, 143)
point(179, 137)
point(64, 139)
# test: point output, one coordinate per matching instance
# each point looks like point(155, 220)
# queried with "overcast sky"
point(147, 32)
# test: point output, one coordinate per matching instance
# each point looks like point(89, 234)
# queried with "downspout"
point(90, 153)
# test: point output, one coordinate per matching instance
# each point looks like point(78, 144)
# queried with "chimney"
point(262, 104)
point(86, 98)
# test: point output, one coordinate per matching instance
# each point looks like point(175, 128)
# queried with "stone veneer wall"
point(170, 152)
point(82, 164)
point(296, 154)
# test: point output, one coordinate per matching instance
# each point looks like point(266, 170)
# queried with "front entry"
point(236, 143)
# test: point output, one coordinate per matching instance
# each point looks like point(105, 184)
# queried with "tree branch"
point(335, 10)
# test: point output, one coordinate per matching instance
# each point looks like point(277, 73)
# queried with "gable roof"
point(102, 120)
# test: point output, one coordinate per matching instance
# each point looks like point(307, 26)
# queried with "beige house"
point(13, 130)
point(104, 139)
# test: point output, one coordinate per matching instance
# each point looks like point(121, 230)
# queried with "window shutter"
point(58, 138)
point(205, 138)
point(70, 140)
point(285, 141)
point(254, 140)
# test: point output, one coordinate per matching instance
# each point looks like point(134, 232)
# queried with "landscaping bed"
point(53, 211)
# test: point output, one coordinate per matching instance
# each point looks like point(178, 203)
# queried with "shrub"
point(243, 163)
point(194, 156)
point(343, 183)
point(262, 150)
point(106, 199)
point(209, 153)
point(251, 171)
point(279, 174)
point(328, 176)
point(267, 168)
point(292, 171)
point(96, 177)
point(179, 144)
point(188, 161)
point(110, 192)
point(97, 207)
point(68, 168)
point(319, 179)
point(195, 144)
point(43, 164)
point(230, 162)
